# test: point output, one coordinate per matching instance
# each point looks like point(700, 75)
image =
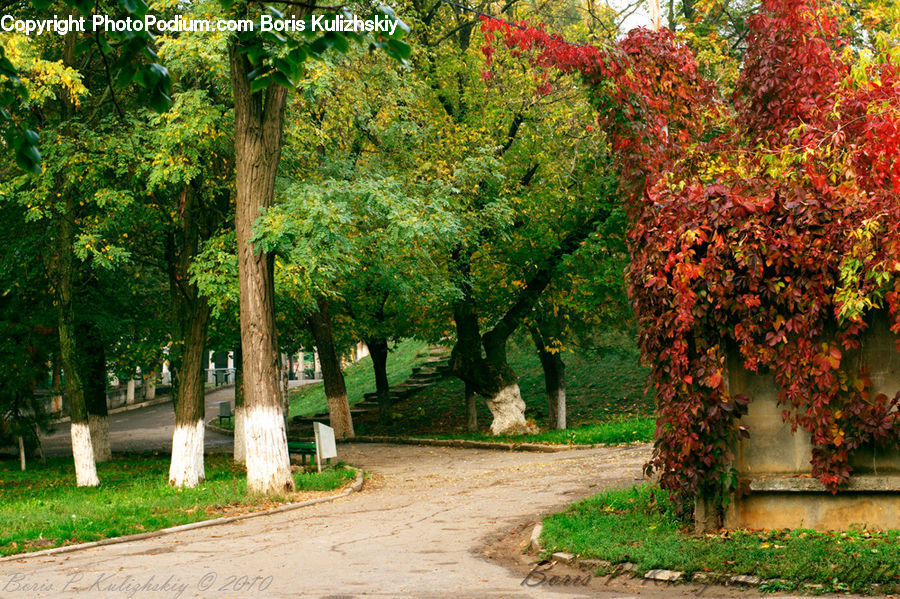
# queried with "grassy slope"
point(360, 379)
point(638, 525)
point(43, 508)
point(605, 390)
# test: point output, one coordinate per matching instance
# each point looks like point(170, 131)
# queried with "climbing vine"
point(763, 231)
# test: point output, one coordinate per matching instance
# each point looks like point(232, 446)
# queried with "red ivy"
point(749, 264)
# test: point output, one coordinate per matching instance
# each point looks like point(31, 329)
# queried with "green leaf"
point(135, 7)
point(28, 158)
point(125, 76)
point(260, 83)
point(397, 49)
point(339, 42)
point(281, 79)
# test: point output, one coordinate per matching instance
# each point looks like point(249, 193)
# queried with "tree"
point(360, 243)
point(260, 78)
point(190, 194)
point(27, 322)
point(518, 156)
point(60, 205)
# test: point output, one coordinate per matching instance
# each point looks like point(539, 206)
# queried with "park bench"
point(303, 449)
point(224, 411)
point(323, 448)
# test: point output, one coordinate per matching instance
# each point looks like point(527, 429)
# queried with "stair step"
point(424, 370)
point(425, 377)
point(354, 411)
point(366, 405)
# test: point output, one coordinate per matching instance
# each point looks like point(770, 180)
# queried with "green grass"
point(638, 525)
point(43, 508)
point(612, 432)
point(360, 379)
point(605, 397)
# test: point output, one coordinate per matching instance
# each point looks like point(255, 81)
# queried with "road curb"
point(469, 444)
point(218, 429)
point(354, 487)
point(658, 575)
point(535, 543)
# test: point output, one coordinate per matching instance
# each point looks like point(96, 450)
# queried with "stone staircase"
point(435, 367)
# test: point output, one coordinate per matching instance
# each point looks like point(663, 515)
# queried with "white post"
point(150, 386)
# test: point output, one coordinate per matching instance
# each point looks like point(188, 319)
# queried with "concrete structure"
point(777, 490)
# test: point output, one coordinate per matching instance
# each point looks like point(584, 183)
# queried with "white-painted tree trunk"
point(508, 410)
point(239, 435)
point(83, 454)
point(99, 427)
point(150, 386)
point(129, 391)
point(186, 469)
point(267, 459)
point(559, 398)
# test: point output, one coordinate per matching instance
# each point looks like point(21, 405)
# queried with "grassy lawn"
point(43, 508)
point(605, 394)
point(638, 525)
point(611, 432)
point(360, 379)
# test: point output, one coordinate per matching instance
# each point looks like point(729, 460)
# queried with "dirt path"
point(421, 528)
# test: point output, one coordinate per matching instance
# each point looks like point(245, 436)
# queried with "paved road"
point(421, 528)
point(416, 531)
point(145, 429)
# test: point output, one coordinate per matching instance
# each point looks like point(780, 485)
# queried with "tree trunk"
point(187, 468)
point(492, 378)
point(258, 119)
point(82, 447)
point(189, 359)
point(487, 374)
point(378, 349)
point(93, 363)
point(335, 390)
point(239, 405)
point(471, 410)
point(554, 379)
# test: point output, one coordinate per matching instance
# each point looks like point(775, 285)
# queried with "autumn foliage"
point(764, 229)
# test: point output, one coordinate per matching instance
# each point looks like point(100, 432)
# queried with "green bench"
point(304, 448)
point(224, 411)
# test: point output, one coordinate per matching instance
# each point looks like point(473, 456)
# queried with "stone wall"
point(777, 490)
